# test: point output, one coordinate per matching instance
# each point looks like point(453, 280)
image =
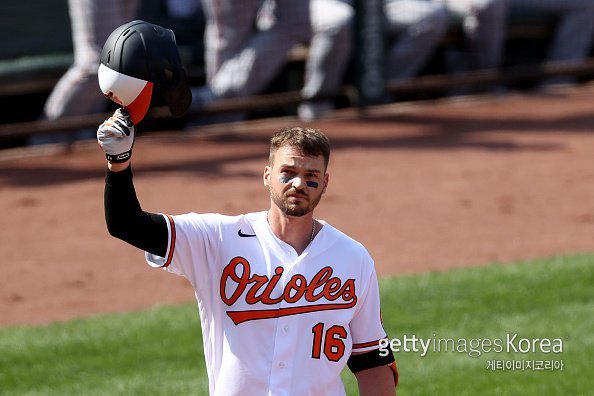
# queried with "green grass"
point(159, 352)
point(551, 299)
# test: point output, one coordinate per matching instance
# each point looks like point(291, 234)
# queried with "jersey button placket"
point(280, 378)
point(285, 347)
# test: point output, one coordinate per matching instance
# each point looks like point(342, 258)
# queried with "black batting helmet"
point(136, 56)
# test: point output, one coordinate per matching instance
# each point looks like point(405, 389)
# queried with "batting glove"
point(116, 136)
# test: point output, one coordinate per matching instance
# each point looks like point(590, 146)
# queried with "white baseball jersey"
point(274, 322)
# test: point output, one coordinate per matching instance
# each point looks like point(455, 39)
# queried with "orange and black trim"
point(172, 237)
point(368, 344)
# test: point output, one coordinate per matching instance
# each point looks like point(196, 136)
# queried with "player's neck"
point(295, 231)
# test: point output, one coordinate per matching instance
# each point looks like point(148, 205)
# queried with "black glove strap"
point(119, 158)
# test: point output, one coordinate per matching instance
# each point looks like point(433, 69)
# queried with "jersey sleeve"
point(366, 326)
point(193, 242)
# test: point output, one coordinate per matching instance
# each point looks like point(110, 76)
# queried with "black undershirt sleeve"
point(125, 218)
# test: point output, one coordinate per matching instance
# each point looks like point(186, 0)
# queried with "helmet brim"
point(131, 93)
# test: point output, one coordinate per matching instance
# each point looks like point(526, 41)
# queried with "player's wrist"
point(119, 158)
point(118, 166)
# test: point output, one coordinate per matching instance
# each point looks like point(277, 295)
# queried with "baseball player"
point(285, 299)
point(240, 59)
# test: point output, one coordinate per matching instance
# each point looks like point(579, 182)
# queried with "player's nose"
point(298, 183)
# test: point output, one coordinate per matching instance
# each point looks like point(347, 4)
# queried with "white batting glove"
point(116, 136)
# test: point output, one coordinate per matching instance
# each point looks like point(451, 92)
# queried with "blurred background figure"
point(182, 9)
point(482, 23)
point(574, 31)
point(242, 59)
point(77, 92)
point(415, 28)
point(330, 51)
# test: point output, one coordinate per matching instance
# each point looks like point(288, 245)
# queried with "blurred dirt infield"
point(424, 186)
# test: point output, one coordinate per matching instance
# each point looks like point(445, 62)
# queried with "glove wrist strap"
point(119, 158)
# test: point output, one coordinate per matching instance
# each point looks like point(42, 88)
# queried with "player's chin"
point(297, 210)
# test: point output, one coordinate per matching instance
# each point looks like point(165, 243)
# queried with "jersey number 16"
point(331, 342)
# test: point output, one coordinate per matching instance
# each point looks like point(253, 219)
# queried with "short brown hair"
point(311, 142)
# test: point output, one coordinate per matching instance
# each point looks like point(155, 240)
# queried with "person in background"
point(92, 21)
point(330, 51)
point(482, 23)
point(574, 32)
point(241, 59)
point(414, 29)
point(77, 92)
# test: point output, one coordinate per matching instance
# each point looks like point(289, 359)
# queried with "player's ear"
point(266, 176)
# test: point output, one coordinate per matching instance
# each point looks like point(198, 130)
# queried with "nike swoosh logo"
point(241, 234)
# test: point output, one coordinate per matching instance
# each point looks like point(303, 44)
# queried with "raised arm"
point(123, 214)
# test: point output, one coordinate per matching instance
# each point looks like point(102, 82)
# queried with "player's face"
point(296, 182)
